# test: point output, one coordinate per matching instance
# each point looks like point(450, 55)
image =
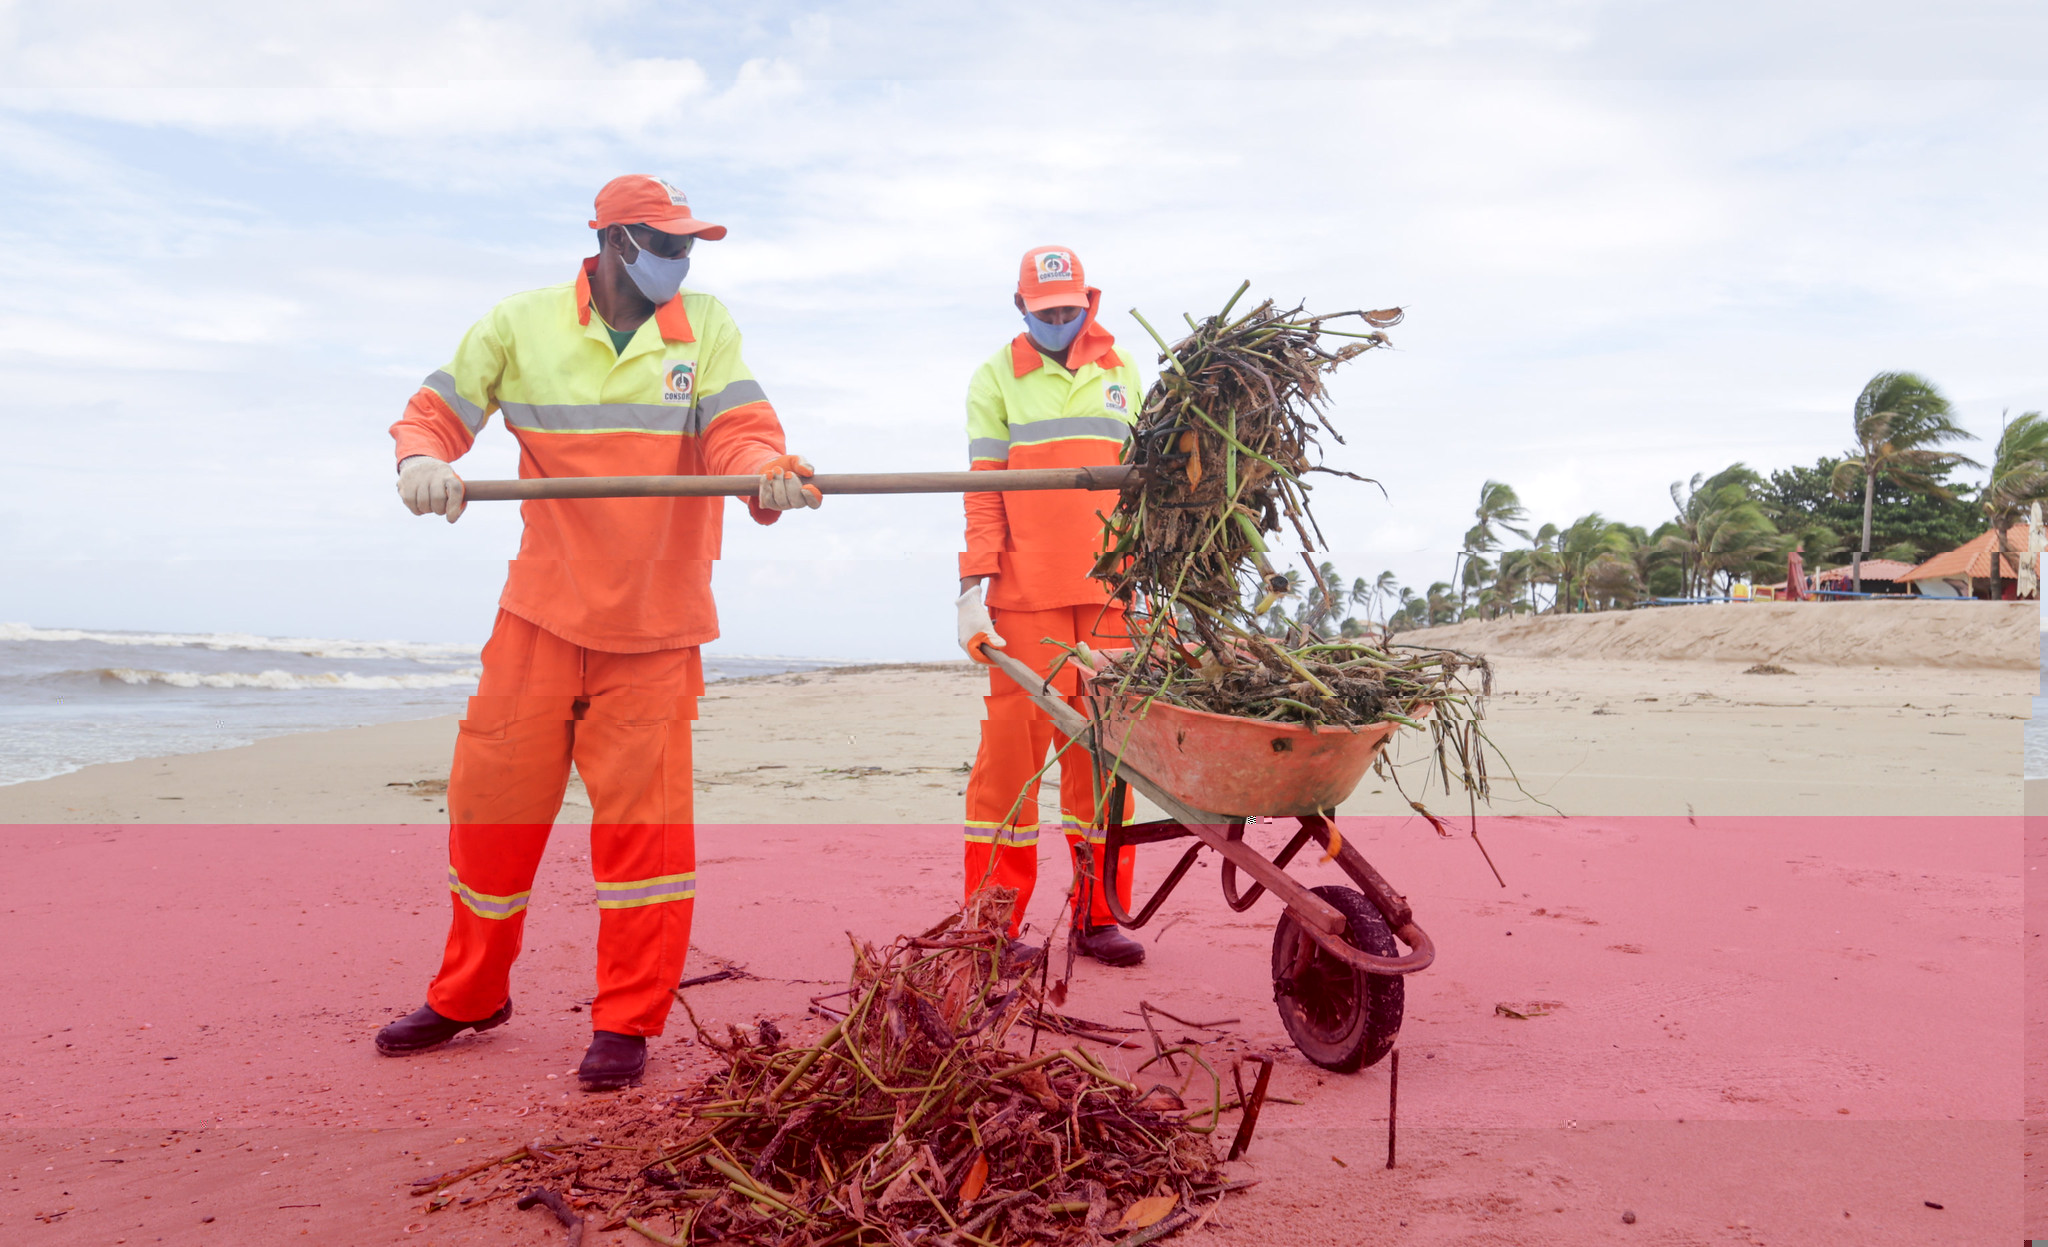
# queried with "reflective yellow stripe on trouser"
point(637, 892)
point(484, 905)
point(997, 834)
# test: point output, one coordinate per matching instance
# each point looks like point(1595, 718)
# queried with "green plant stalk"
point(809, 1058)
point(1220, 316)
point(1230, 439)
point(1250, 529)
point(648, 1231)
point(1171, 358)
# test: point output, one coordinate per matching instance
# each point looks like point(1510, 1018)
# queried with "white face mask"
point(658, 277)
point(1054, 337)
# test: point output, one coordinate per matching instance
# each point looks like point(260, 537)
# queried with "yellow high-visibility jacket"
point(627, 575)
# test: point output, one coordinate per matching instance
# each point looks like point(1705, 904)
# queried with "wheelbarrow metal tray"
point(1237, 766)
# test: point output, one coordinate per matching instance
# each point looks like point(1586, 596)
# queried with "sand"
point(1772, 933)
point(1913, 633)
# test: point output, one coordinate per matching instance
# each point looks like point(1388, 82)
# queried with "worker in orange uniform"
point(594, 658)
point(1058, 395)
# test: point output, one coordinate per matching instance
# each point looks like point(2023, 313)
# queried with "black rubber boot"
point(613, 1061)
point(1108, 945)
point(1017, 958)
point(423, 1029)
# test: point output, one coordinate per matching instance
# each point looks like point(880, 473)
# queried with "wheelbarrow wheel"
point(1341, 1018)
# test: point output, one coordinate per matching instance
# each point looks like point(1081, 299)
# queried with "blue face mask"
point(658, 278)
point(1054, 337)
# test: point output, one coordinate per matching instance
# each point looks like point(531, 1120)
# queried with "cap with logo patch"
point(1051, 277)
point(637, 199)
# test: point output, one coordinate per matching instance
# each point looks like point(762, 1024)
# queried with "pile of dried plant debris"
point(921, 1116)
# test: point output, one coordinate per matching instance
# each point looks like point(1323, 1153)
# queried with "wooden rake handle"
point(1111, 476)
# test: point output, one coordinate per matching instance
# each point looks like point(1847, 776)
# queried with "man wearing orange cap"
point(1057, 395)
point(594, 658)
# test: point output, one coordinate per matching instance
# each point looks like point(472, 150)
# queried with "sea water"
point(72, 697)
point(2037, 732)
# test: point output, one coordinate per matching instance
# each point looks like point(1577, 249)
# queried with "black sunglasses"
point(667, 246)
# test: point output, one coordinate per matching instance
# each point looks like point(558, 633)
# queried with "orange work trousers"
point(624, 720)
point(1002, 793)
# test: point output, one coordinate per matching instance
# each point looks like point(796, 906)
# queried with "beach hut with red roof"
point(1965, 572)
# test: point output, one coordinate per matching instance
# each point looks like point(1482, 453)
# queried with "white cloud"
point(216, 296)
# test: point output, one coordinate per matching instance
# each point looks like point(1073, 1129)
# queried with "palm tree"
point(1509, 593)
point(1586, 540)
point(2019, 478)
point(1476, 575)
point(1543, 564)
point(1440, 606)
point(1498, 506)
point(1900, 419)
point(1611, 580)
point(1721, 526)
point(1383, 584)
point(1323, 601)
point(1404, 616)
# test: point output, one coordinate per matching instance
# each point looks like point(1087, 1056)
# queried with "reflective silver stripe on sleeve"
point(738, 394)
point(471, 415)
point(987, 448)
point(598, 417)
point(1107, 427)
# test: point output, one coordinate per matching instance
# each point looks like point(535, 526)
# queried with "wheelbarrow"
point(1337, 967)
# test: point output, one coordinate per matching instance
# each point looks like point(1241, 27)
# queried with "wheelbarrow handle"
point(1006, 480)
point(1313, 911)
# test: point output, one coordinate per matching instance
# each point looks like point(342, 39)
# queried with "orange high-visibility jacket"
point(1024, 411)
point(625, 575)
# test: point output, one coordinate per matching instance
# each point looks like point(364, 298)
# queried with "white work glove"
point(976, 628)
point(782, 486)
point(427, 484)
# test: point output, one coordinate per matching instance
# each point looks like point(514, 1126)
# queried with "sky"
point(1635, 241)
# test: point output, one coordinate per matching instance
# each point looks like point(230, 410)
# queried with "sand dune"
point(1887, 634)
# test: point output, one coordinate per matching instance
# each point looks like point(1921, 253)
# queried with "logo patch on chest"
point(679, 381)
point(1116, 399)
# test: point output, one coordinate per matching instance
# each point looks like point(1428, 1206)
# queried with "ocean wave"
point(313, 647)
point(286, 680)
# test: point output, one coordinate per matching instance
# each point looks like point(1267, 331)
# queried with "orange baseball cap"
point(637, 199)
point(1051, 277)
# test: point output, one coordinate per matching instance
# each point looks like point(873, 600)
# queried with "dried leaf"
point(903, 1187)
point(1038, 1087)
point(977, 1178)
point(1385, 318)
point(960, 989)
point(1161, 1099)
point(1336, 843)
point(1146, 1212)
